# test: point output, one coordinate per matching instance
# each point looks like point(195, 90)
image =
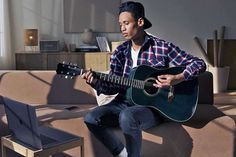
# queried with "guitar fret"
point(141, 84)
point(122, 81)
point(102, 77)
point(129, 82)
point(112, 79)
point(138, 84)
point(135, 83)
point(126, 82)
point(118, 79)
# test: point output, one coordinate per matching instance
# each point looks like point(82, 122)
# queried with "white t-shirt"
point(134, 55)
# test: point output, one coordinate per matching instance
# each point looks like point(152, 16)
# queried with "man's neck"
point(138, 41)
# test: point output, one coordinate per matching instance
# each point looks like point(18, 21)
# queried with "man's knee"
point(127, 121)
point(90, 119)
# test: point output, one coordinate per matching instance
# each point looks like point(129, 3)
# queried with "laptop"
point(23, 125)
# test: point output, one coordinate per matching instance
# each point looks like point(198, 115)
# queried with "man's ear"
point(140, 22)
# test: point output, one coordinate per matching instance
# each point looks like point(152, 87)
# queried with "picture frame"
point(103, 44)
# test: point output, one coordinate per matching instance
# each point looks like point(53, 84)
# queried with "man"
point(140, 48)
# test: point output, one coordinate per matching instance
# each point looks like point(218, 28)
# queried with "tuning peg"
point(66, 77)
point(71, 77)
point(63, 62)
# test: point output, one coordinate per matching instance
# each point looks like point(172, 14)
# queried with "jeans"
point(132, 119)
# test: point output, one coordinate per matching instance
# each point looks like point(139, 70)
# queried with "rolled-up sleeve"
point(194, 65)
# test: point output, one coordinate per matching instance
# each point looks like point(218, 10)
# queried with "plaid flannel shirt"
point(154, 52)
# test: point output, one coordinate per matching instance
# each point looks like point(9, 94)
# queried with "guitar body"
point(181, 108)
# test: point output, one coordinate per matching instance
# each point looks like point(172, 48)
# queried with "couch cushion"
point(45, 87)
point(206, 88)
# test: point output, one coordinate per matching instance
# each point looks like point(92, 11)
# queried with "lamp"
point(31, 37)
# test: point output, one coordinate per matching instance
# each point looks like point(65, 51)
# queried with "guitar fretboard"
point(73, 70)
point(121, 80)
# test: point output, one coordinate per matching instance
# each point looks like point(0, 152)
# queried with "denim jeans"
point(132, 119)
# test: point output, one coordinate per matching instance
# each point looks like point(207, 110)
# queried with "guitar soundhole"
point(149, 88)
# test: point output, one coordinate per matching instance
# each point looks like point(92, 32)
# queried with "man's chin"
point(127, 37)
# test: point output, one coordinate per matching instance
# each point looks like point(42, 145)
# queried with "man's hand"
point(88, 76)
point(167, 80)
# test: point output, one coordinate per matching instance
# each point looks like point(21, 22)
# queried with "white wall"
point(177, 21)
point(180, 20)
point(45, 15)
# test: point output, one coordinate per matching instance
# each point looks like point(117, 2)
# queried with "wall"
point(45, 15)
point(180, 20)
point(177, 21)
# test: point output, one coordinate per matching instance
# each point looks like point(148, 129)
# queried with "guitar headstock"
point(68, 69)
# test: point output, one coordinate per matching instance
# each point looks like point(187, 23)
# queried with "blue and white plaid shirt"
point(154, 52)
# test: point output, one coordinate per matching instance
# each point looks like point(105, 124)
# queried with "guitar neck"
point(73, 70)
point(123, 81)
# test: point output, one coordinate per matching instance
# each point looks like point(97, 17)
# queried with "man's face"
point(128, 25)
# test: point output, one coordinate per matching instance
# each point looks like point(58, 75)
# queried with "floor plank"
point(226, 102)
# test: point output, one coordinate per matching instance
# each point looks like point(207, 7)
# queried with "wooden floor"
point(226, 102)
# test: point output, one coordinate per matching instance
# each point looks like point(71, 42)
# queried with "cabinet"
point(98, 61)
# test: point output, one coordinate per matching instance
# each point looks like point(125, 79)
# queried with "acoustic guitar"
point(177, 103)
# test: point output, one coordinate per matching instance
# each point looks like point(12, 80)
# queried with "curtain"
point(6, 55)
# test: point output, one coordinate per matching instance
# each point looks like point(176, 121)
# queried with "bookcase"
point(98, 61)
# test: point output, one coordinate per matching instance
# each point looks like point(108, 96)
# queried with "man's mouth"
point(125, 34)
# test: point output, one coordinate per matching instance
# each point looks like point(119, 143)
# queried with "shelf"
point(98, 61)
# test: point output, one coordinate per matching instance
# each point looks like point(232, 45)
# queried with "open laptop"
point(23, 124)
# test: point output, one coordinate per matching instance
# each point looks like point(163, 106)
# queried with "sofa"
point(62, 103)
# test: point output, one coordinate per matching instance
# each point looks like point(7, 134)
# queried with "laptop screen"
point(22, 122)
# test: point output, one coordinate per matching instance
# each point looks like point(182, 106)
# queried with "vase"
point(220, 78)
point(87, 36)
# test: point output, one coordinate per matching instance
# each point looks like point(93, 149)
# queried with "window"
point(1, 27)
